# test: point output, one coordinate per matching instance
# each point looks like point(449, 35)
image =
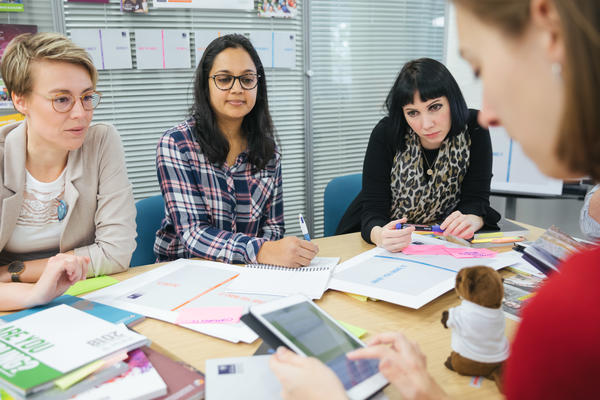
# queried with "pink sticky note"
point(470, 253)
point(430, 249)
point(210, 315)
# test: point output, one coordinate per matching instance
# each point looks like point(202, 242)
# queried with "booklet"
point(518, 290)
point(550, 249)
point(107, 313)
point(183, 381)
point(40, 348)
point(407, 280)
point(141, 381)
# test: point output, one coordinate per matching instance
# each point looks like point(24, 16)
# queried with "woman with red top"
point(539, 64)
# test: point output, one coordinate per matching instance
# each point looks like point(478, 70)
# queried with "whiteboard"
point(513, 171)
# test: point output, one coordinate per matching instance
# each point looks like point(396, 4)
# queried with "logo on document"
point(230, 369)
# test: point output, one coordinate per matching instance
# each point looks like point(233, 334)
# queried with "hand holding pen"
point(290, 251)
point(390, 238)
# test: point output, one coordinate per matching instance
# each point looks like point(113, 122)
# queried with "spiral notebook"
point(311, 280)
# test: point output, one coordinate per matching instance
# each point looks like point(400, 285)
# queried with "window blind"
point(143, 104)
point(357, 48)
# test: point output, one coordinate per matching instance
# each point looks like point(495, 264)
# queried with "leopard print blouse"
point(429, 201)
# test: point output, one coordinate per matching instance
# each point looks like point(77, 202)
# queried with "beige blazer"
point(100, 221)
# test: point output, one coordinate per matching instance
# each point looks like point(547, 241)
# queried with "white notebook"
point(311, 280)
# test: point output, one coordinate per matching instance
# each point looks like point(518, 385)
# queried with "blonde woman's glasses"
point(64, 102)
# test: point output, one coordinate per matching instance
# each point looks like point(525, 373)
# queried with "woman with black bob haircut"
point(427, 162)
point(220, 170)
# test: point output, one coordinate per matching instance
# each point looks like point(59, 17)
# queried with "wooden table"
point(422, 325)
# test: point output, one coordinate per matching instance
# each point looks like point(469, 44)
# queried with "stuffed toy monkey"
point(479, 345)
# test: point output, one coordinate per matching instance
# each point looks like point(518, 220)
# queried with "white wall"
point(460, 69)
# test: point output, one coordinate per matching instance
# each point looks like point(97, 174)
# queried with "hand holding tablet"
point(301, 326)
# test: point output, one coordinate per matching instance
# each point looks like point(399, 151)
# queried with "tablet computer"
point(300, 325)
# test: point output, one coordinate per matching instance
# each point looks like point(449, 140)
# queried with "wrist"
point(4, 274)
point(376, 235)
point(262, 257)
point(32, 296)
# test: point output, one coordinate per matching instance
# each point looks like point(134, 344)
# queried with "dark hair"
point(431, 79)
point(257, 124)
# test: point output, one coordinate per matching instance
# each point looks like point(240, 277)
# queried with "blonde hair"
point(579, 139)
point(27, 48)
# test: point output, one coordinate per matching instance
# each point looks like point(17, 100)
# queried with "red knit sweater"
point(556, 351)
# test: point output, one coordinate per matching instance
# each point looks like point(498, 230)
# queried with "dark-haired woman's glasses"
point(64, 102)
point(226, 81)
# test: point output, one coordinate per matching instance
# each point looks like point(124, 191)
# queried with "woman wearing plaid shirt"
point(220, 170)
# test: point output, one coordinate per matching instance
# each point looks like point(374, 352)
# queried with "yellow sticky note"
point(72, 378)
point(91, 284)
point(490, 235)
point(5, 396)
point(357, 296)
point(355, 330)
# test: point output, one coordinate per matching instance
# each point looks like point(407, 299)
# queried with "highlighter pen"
point(422, 228)
point(303, 227)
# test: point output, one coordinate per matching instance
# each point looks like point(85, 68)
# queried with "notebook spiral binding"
point(272, 267)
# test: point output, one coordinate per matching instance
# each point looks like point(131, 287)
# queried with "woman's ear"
point(20, 103)
point(545, 17)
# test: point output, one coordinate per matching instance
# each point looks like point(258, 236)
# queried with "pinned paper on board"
point(284, 49)
point(276, 49)
point(202, 39)
point(277, 8)
point(109, 48)
point(11, 6)
point(210, 315)
point(214, 4)
point(162, 48)
point(9, 31)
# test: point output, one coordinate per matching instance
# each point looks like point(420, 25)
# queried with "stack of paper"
point(141, 381)
point(167, 291)
point(59, 346)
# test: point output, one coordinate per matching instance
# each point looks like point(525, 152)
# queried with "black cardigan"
point(372, 205)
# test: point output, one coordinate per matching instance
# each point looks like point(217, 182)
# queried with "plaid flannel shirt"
point(213, 211)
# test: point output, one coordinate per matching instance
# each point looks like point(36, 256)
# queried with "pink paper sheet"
point(210, 315)
point(428, 249)
point(441, 250)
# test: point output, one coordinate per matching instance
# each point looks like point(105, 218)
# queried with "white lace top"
point(38, 228)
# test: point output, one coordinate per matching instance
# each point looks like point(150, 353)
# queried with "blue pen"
point(303, 227)
point(422, 228)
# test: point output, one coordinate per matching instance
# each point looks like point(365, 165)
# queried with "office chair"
point(339, 193)
point(150, 213)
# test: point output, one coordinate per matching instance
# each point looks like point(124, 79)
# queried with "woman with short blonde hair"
point(66, 204)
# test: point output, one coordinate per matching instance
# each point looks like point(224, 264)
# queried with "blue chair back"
point(150, 213)
point(339, 193)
